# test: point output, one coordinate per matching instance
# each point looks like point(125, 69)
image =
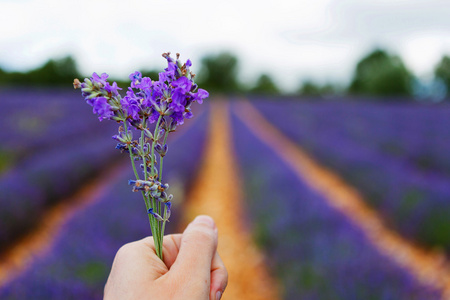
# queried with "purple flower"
point(113, 89)
point(178, 100)
point(90, 100)
point(183, 83)
point(131, 105)
point(122, 147)
point(177, 118)
point(200, 95)
point(135, 78)
point(172, 95)
point(163, 77)
point(172, 69)
point(146, 83)
point(101, 80)
point(102, 108)
point(188, 115)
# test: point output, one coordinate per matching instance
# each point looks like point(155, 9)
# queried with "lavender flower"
point(165, 102)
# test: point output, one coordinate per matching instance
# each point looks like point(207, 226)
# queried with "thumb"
point(198, 246)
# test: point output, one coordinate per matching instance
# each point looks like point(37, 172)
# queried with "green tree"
point(309, 88)
point(442, 71)
point(265, 85)
point(153, 74)
point(53, 72)
point(381, 74)
point(218, 73)
point(58, 71)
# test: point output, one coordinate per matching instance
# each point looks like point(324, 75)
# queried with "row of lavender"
point(314, 250)
point(51, 146)
point(37, 119)
point(79, 262)
point(396, 155)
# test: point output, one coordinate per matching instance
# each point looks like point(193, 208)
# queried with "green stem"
point(156, 234)
point(131, 153)
point(154, 142)
point(134, 167)
point(164, 222)
point(154, 224)
point(161, 158)
point(142, 149)
point(160, 178)
point(157, 237)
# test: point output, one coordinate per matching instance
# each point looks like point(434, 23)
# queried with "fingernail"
point(205, 220)
point(218, 295)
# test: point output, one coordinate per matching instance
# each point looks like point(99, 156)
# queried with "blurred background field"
point(362, 87)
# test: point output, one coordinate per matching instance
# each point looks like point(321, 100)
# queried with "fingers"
point(198, 246)
point(192, 268)
point(219, 274)
point(219, 278)
point(171, 247)
point(135, 266)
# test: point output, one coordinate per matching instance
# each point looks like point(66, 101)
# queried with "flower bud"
point(157, 216)
point(148, 168)
point(162, 150)
point(168, 111)
point(76, 83)
point(167, 210)
point(122, 147)
point(173, 125)
point(148, 133)
point(160, 134)
point(117, 137)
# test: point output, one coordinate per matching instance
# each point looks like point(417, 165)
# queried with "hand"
point(192, 268)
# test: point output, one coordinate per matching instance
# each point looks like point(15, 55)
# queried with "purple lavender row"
point(79, 262)
point(314, 250)
point(414, 201)
point(43, 179)
point(413, 133)
point(36, 120)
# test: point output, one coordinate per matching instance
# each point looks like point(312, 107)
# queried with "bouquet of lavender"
point(166, 102)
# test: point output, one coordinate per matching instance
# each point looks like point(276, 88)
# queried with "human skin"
point(192, 268)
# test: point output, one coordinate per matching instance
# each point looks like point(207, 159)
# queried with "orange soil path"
point(37, 242)
point(429, 268)
point(217, 192)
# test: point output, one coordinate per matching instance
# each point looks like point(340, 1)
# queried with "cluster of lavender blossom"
point(166, 102)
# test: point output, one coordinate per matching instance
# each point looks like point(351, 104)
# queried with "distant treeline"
point(379, 74)
point(54, 72)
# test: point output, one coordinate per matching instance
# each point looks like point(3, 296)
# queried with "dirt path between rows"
point(39, 241)
point(217, 192)
point(429, 268)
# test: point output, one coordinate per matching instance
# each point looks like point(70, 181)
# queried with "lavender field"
point(316, 252)
point(77, 269)
point(396, 156)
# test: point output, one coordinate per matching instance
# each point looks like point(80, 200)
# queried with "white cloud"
point(319, 39)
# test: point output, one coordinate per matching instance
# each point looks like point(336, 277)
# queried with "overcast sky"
point(294, 40)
